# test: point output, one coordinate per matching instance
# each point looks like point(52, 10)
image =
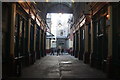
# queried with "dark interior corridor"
point(91, 47)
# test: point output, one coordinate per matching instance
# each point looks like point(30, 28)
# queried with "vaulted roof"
point(55, 7)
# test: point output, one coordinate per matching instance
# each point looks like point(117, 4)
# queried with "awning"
point(49, 34)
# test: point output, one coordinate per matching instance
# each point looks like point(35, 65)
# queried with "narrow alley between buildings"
point(60, 40)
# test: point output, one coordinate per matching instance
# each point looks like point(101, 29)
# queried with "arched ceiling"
point(55, 7)
point(59, 8)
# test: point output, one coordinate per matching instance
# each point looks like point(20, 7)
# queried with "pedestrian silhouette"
point(58, 51)
point(62, 51)
point(52, 51)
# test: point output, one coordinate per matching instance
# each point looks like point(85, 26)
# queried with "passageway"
point(63, 66)
point(89, 38)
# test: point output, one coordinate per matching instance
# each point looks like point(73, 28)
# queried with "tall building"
point(63, 30)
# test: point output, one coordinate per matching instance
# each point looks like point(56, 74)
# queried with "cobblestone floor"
point(63, 66)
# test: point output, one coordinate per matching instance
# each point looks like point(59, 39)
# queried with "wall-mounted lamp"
point(108, 16)
point(46, 0)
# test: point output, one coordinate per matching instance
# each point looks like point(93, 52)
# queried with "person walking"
point(52, 51)
point(62, 51)
point(58, 51)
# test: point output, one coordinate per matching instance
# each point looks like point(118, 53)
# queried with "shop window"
point(16, 35)
point(97, 28)
point(101, 27)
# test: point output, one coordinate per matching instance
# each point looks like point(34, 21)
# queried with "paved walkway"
point(63, 66)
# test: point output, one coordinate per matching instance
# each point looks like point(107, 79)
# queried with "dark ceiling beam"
point(59, 7)
point(55, 7)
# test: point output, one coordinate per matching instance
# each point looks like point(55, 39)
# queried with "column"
point(40, 45)
point(34, 55)
point(92, 42)
point(13, 15)
point(110, 42)
point(75, 45)
point(0, 40)
point(42, 41)
point(28, 42)
point(12, 66)
point(29, 24)
point(45, 43)
point(79, 43)
point(110, 33)
point(86, 54)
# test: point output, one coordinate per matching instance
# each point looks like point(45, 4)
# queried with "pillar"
point(0, 40)
point(11, 67)
point(40, 44)
point(92, 43)
point(79, 43)
point(28, 42)
point(75, 54)
point(45, 43)
point(13, 15)
point(42, 41)
point(34, 53)
point(73, 44)
point(110, 33)
point(110, 43)
point(38, 50)
point(86, 53)
point(77, 46)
